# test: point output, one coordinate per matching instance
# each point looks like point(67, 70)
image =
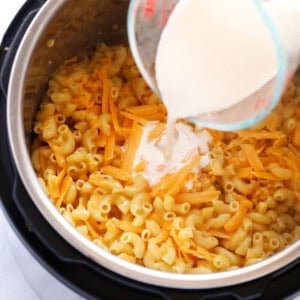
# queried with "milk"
point(213, 54)
point(185, 147)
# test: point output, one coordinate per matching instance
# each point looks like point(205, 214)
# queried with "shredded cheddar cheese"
point(241, 206)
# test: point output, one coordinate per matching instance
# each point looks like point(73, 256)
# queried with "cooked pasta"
point(243, 206)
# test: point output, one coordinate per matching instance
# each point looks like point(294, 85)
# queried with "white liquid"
point(186, 146)
point(213, 54)
point(286, 17)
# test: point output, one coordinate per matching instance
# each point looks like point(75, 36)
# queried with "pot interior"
point(73, 27)
point(61, 30)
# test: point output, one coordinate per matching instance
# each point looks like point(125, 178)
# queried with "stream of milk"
point(212, 54)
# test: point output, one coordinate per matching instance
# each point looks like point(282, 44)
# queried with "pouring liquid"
point(213, 54)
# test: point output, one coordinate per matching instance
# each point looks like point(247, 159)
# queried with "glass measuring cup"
point(146, 22)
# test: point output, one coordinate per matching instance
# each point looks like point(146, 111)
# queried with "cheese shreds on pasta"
point(240, 206)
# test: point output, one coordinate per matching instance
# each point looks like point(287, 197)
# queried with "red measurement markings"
point(173, 4)
point(264, 103)
point(261, 103)
point(166, 10)
point(164, 15)
point(149, 9)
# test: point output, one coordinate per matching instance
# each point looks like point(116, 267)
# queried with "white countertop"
point(21, 273)
point(8, 10)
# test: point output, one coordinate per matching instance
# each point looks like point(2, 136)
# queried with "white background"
point(21, 277)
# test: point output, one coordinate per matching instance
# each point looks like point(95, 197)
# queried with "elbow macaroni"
point(244, 206)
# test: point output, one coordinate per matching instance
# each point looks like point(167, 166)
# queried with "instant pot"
point(42, 35)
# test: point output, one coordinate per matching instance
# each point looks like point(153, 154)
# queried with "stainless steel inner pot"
point(61, 29)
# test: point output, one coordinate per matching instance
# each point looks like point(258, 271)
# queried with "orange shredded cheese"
point(198, 197)
point(110, 146)
point(115, 172)
point(64, 190)
point(131, 147)
point(171, 184)
point(251, 185)
point(157, 131)
point(252, 157)
point(106, 90)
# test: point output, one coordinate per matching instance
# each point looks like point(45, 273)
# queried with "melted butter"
point(186, 144)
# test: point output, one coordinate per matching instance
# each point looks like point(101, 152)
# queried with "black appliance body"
point(65, 262)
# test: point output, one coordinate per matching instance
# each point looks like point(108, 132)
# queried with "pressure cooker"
point(42, 35)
